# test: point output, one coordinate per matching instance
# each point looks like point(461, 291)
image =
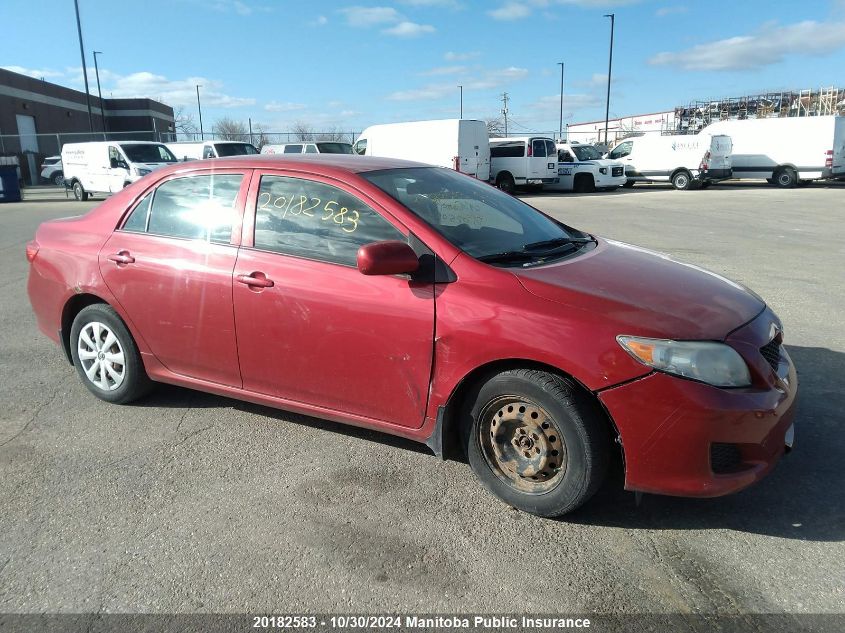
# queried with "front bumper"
point(675, 432)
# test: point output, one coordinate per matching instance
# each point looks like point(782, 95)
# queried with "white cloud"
point(409, 29)
point(510, 11)
point(518, 9)
point(426, 93)
point(231, 6)
point(451, 4)
point(370, 16)
point(489, 80)
point(320, 21)
point(444, 70)
point(275, 106)
point(770, 45)
point(451, 56)
point(548, 108)
point(34, 72)
point(662, 12)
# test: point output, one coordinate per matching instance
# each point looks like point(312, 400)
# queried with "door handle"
point(255, 281)
point(122, 257)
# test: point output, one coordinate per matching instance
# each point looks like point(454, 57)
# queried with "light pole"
point(560, 130)
point(462, 101)
point(84, 67)
point(199, 107)
point(612, 17)
point(99, 92)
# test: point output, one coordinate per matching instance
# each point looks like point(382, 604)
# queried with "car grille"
point(618, 171)
point(725, 458)
point(771, 352)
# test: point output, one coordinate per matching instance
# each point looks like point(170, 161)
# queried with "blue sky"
point(351, 64)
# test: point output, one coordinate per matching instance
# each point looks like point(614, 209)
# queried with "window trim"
point(240, 202)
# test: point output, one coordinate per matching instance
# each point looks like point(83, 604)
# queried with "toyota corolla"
point(421, 302)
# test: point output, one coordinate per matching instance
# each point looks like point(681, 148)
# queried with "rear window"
point(143, 153)
point(335, 148)
point(293, 149)
point(515, 149)
point(235, 149)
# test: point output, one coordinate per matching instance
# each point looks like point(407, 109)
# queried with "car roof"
point(325, 164)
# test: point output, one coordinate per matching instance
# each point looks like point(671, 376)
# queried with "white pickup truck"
point(582, 169)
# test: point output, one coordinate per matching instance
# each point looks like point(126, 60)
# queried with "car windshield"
point(234, 149)
point(143, 153)
point(586, 152)
point(479, 219)
point(335, 148)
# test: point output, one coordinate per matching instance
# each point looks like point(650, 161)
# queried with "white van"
point(197, 150)
point(687, 161)
point(309, 147)
point(522, 160)
point(460, 144)
point(787, 151)
point(108, 166)
point(582, 169)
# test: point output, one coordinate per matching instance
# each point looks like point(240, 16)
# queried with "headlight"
point(603, 170)
point(716, 364)
point(141, 171)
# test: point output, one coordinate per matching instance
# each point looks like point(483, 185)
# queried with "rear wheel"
point(58, 179)
point(786, 178)
point(505, 182)
point(535, 441)
point(78, 192)
point(682, 180)
point(106, 357)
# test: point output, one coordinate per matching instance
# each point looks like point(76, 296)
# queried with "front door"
point(170, 268)
point(117, 170)
point(310, 327)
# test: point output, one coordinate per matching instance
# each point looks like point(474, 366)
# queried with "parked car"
point(786, 152)
point(686, 161)
point(582, 169)
point(424, 303)
point(51, 169)
point(199, 150)
point(522, 160)
point(461, 144)
point(316, 147)
point(97, 168)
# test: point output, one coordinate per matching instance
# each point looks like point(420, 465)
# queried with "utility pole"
point(84, 67)
point(100, 92)
point(505, 110)
point(462, 101)
point(199, 107)
point(560, 130)
point(250, 131)
point(612, 17)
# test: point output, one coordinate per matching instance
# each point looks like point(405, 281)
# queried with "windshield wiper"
point(558, 241)
point(508, 256)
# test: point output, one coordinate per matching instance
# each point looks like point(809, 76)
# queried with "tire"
point(629, 183)
point(524, 411)
point(584, 183)
point(682, 180)
point(505, 182)
point(78, 192)
point(786, 178)
point(97, 365)
point(58, 179)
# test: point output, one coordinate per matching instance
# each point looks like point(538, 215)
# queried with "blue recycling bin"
point(10, 189)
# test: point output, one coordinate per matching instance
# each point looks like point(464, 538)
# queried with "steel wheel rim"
point(101, 356)
point(784, 178)
point(681, 181)
point(523, 445)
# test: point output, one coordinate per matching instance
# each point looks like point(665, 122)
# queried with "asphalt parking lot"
point(189, 502)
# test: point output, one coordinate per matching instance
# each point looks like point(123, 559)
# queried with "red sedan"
point(421, 302)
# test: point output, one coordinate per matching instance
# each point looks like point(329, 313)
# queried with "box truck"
point(103, 167)
point(687, 161)
point(786, 151)
point(461, 144)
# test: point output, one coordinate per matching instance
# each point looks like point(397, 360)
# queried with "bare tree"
point(334, 133)
point(302, 131)
point(495, 127)
point(227, 129)
point(183, 122)
point(259, 135)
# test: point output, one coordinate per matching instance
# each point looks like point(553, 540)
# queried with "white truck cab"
point(103, 167)
point(582, 169)
point(522, 160)
point(309, 147)
point(199, 150)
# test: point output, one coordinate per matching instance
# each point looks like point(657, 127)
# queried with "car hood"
point(152, 166)
point(645, 293)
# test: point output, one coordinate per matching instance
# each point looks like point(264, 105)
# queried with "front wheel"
point(78, 192)
point(682, 180)
point(628, 184)
point(584, 183)
point(106, 357)
point(59, 179)
point(535, 441)
point(786, 178)
point(505, 182)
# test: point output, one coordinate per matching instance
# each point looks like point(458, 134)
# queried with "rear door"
point(170, 268)
point(310, 327)
point(537, 162)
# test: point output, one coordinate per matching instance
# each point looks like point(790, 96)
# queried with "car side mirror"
point(387, 258)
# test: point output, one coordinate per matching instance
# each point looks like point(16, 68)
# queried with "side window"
point(137, 221)
point(361, 146)
point(196, 207)
point(551, 150)
point(538, 148)
point(311, 149)
point(115, 159)
point(207, 152)
point(293, 149)
point(622, 150)
point(316, 221)
point(514, 149)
